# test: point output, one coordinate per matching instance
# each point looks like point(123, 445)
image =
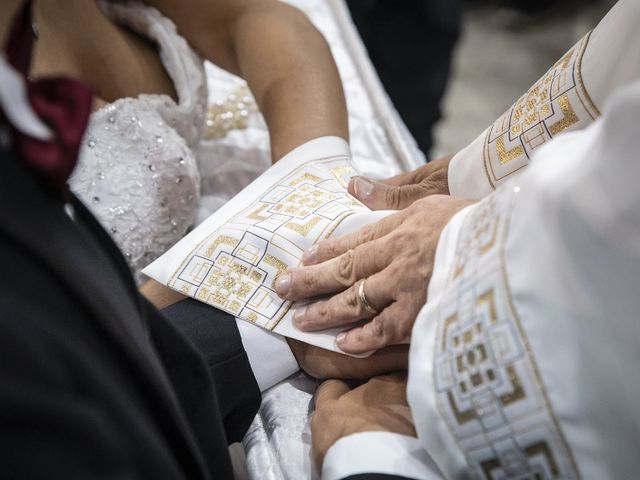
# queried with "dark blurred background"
point(451, 67)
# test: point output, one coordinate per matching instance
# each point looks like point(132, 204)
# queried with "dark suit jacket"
point(94, 381)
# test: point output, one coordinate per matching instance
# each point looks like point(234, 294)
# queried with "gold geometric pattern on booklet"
point(488, 388)
point(235, 267)
point(557, 102)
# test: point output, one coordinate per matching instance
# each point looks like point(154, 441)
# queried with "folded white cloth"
point(233, 259)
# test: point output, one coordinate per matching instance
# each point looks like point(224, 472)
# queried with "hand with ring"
point(378, 274)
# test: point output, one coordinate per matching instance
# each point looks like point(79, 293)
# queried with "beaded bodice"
point(137, 171)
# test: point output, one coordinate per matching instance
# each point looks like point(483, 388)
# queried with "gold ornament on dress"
point(233, 113)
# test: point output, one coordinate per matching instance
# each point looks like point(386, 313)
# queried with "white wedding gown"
point(149, 175)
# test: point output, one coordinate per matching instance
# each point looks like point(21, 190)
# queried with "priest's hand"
point(322, 364)
point(379, 405)
point(402, 190)
point(394, 257)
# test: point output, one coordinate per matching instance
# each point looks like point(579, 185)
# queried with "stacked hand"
point(379, 405)
point(323, 364)
point(402, 190)
point(394, 258)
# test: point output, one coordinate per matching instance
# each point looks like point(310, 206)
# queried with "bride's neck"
point(76, 39)
point(71, 16)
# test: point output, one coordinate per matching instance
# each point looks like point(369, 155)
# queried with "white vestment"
point(522, 360)
point(567, 97)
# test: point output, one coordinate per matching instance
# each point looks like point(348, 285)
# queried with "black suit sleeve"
point(49, 426)
point(215, 335)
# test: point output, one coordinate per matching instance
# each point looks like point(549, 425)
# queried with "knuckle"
point(392, 197)
point(309, 280)
point(425, 188)
point(378, 327)
point(409, 194)
point(430, 186)
point(353, 302)
point(379, 230)
point(401, 239)
point(366, 234)
point(329, 249)
point(345, 267)
point(323, 311)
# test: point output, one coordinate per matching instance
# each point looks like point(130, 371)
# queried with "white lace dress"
point(138, 169)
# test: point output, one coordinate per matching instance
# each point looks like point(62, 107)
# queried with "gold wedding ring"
point(363, 299)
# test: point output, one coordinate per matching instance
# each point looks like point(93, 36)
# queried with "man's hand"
point(322, 364)
point(395, 256)
point(402, 190)
point(377, 406)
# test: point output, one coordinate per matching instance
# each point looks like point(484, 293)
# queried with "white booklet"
point(232, 260)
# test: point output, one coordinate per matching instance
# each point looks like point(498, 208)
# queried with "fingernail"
point(309, 256)
point(298, 318)
point(341, 338)
point(363, 188)
point(283, 284)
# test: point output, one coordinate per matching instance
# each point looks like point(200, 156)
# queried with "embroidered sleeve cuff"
point(467, 176)
point(381, 453)
point(269, 354)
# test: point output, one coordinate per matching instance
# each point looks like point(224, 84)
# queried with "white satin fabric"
point(523, 362)
point(568, 97)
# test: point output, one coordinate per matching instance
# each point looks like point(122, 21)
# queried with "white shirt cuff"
point(269, 354)
point(378, 452)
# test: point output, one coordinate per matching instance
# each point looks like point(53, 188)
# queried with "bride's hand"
point(159, 295)
point(394, 255)
point(402, 190)
point(323, 364)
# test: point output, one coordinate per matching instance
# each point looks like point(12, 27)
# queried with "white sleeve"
point(269, 354)
point(378, 452)
point(567, 97)
point(530, 325)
